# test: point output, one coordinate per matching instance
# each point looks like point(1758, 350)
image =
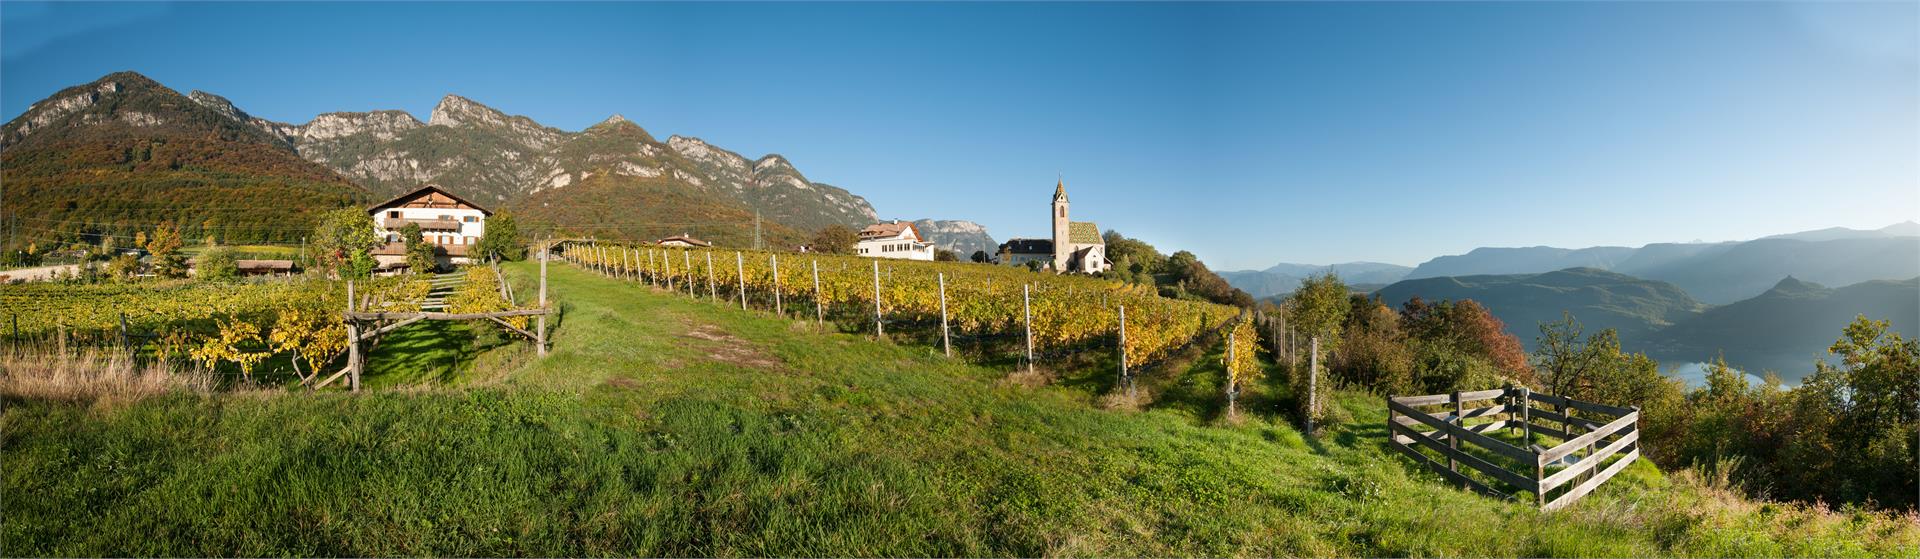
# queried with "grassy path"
point(666, 426)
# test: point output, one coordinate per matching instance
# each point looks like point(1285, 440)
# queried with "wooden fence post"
point(773, 263)
point(653, 269)
point(946, 339)
point(1026, 309)
point(819, 315)
point(353, 344)
point(713, 292)
point(540, 333)
point(1526, 414)
point(740, 267)
point(686, 263)
point(1453, 442)
point(879, 327)
point(666, 261)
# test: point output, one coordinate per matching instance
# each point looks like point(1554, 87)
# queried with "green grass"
point(661, 426)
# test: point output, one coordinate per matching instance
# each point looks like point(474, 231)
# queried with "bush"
point(217, 264)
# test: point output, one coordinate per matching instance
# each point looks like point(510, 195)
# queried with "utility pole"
point(758, 243)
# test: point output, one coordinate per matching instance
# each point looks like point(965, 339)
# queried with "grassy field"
point(661, 426)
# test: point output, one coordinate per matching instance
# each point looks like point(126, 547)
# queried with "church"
point(1076, 246)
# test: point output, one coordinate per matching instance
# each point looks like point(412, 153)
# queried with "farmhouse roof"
point(423, 189)
point(1028, 246)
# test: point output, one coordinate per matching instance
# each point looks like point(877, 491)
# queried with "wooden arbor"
point(365, 327)
point(1593, 442)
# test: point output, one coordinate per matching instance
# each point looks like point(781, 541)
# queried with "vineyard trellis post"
point(740, 268)
point(773, 263)
point(686, 263)
point(819, 314)
point(626, 268)
point(1026, 309)
point(653, 269)
point(879, 329)
point(713, 292)
point(540, 332)
point(946, 339)
point(124, 345)
point(1313, 382)
point(1233, 383)
point(666, 259)
point(1125, 377)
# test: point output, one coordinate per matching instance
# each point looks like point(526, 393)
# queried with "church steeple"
point(1062, 247)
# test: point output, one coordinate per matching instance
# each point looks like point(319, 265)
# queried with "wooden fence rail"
point(1499, 446)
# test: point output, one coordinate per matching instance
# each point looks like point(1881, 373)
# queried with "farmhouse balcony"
point(398, 223)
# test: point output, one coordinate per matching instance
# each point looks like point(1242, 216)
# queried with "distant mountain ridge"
point(1717, 273)
point(1598, 298)
point(1284, 278)
point(961, 236)
point(1786, 328)
point(346, 158)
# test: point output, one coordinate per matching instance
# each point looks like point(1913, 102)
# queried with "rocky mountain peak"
point(219, 105)
point(772, 162)
point(455, 110)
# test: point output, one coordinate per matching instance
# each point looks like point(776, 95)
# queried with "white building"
point(1076, 246)
point(683, 240)
point(448, 222)
point(895, 239)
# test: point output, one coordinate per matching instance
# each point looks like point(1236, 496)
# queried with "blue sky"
point(1248, 133)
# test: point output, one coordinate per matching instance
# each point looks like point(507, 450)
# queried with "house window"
point(471, 240)
point(393, 237)
point(471, 219)
point(395, 214)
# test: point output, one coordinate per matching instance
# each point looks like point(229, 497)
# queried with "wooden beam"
point(1441, 469)
point(1586, 464)
point(1579, 405)
point(529, 335)
point(389, 328)
point(1475, 462)
point(444, 315)
point(336, 376)
point(1483, 441)
point(1588, 486)
point(1582, 441)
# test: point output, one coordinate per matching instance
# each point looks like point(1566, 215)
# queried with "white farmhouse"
point(450, 223)
point(895, 239)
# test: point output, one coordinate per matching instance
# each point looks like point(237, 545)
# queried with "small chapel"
point(1075, 248)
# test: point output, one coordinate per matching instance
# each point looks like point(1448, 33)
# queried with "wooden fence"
point(1503, 441)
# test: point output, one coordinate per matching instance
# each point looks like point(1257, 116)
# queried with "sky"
point(1250, 134)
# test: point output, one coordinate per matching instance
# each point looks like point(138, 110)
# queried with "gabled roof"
point(422, 190)
point(684, 238)
point(1060, 191)
point(1028, 246)
point(890, 229)
point(1084, 233)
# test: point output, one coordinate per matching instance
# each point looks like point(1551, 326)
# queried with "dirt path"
point(41, 273)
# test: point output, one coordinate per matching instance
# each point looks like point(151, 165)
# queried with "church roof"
point(1028, 246)
point(1060, 191)
point(1084, 233)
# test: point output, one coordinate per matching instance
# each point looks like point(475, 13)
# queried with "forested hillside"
point(122, 154)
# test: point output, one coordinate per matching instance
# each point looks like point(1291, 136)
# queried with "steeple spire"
point(1060, 189)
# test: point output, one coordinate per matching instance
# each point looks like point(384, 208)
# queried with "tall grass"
point(91, 375)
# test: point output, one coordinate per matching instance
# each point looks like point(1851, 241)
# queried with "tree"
point(1320, 308)
point(164, 245)
point(344, 242)
point(1852, 436)
point(944, 255)
point(420, 258)
point(980, 257)
point(1468, 327)
point(502, 240)
point(835, 239)
point(217, 264)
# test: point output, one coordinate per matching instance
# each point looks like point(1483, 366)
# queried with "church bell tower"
point(1062, 249)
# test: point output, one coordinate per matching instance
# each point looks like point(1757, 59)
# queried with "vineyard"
point(238, 328)
point(990, 308)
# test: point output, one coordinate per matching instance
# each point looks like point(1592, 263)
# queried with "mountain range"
point(147, 152)
point(961, 236)
point(1716, 273)
point(1284, 278)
